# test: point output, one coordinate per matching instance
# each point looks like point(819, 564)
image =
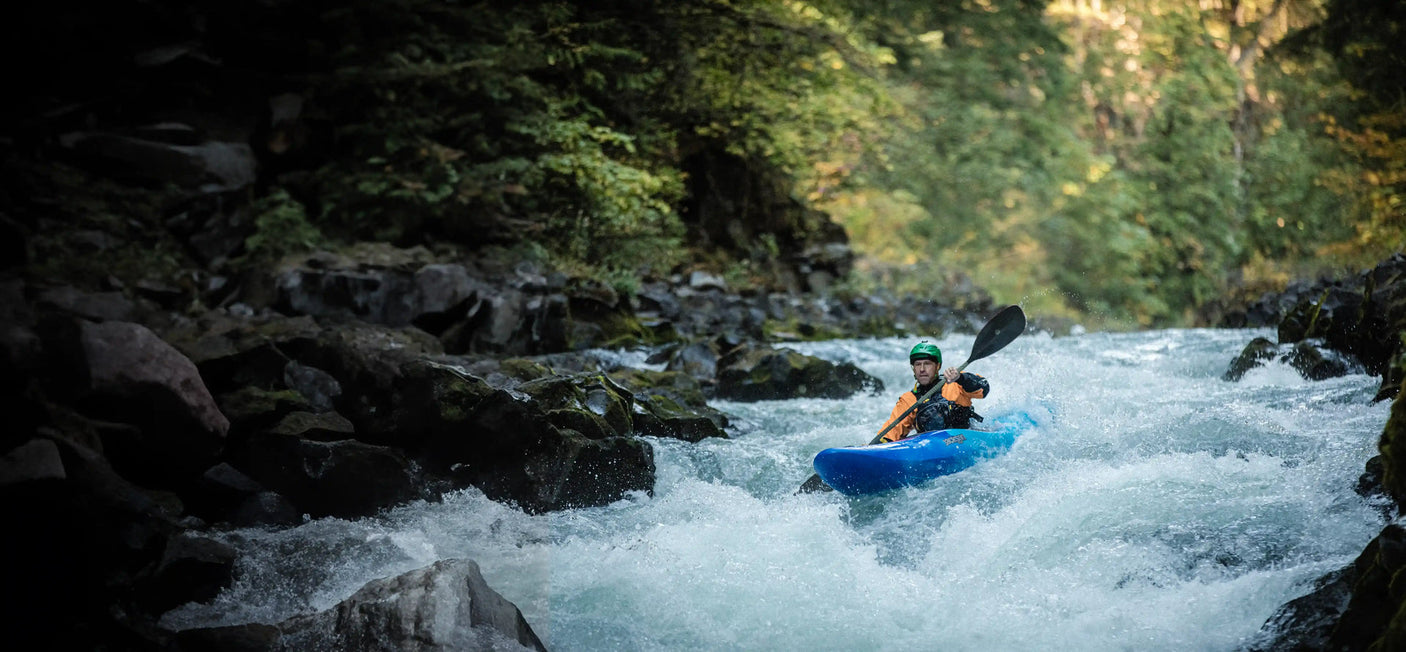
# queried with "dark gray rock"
point(192, 569)
point(504, 442)
point(1308, 358)
point(1306, 623)
point(318, 386)
point(1360, 316)
point(96, 306)
point(265, 508)
point(1349, 609)
point(210, 167)
point(252, 408)
point(1259, 351)
point(591, 404)
point(320, 426)
point(1314, 363)
point(378, 296)
point(344, 478)
point(132, 376)
point(697, 359)
point(37, 459)
point(234, 352)
point(219, 491)
point(758, 373)
point(670, 404)
point(446, 606)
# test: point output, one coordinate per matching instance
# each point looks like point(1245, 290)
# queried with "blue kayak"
point(862, 470)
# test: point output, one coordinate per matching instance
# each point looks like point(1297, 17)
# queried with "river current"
point(1154, 506)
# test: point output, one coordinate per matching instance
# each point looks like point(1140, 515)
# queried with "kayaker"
point(950, 407)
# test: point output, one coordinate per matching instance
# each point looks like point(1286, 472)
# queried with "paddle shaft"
point(914, 406)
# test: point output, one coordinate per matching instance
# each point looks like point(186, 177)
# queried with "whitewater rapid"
point(1155, 506)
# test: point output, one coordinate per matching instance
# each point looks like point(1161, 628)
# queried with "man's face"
point(924, 371)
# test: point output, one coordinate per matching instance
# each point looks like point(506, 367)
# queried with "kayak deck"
point(870, 469)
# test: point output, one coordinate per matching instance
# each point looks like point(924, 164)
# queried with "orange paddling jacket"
point(961, 392)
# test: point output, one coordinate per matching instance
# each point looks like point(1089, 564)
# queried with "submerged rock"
point(1310, 359)
point(446, 606)
point(1259, 351)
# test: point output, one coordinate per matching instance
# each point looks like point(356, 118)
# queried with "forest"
point(1126, 164)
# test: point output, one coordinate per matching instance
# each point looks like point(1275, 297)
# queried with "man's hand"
point(951, 374)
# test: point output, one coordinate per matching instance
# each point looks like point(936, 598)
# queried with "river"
point(1154, 506)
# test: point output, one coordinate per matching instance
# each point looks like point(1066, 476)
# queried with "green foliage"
point(1129, 160)
point(1292, 209)
point(569, 123)
point(281, 227)
point(785, 82)
point(619, 214)
point(1186, 162)
point(528, 150)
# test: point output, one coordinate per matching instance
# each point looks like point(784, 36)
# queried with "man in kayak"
point(950, 407)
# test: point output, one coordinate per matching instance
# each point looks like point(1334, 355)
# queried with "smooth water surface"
point(1156, 506)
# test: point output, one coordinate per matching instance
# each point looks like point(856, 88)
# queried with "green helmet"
point(925, 351)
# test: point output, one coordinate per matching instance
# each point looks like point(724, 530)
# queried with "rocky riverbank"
point(153, 415)
point(1324, 328)
point(355, 381)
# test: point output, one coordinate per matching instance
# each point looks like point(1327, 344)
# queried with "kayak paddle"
point(1001, 330)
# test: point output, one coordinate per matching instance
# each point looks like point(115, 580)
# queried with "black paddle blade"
point(1003, 328)
point(813, 485)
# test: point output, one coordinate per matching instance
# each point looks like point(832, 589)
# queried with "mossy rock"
point(761, 373)
point(595, 394)
point(523, 370)
point(1393, 448)
point(677, 387)
point(555, 392)
point(582, 421)
point(254, 407)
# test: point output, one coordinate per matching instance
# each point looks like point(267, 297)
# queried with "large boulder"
point(192, 568)
point(761, 373)
point(697, 359)
point(339, 478)
point(95, 306)
point(446, 606)
point(505, 442)
point(1255, 354)
point(208, 167)
point(123, 372)
point(227, 495)
point(366, 361)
